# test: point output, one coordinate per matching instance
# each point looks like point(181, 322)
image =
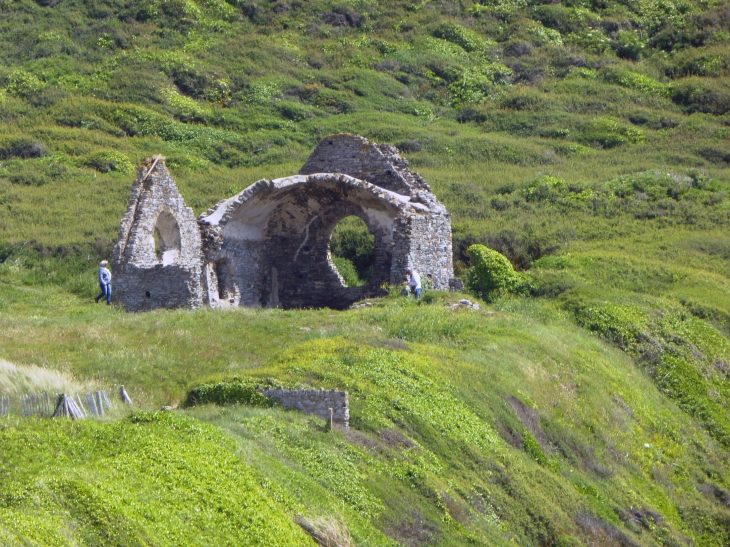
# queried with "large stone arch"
point(276, 235)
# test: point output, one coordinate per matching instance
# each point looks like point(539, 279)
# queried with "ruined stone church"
point(269, 245)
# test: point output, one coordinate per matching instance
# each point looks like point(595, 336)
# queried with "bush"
point(23, 84)
point(544, 188)
point(228, 392)
point(491, 274)
point(107, 161)
point(21, 147)
point(456, 34)
point(702, 95)
point(526, 100)
point(564, 20)
point(628, 45)
point(352, 241)
point(609, 132)
point(411, 145)
point(634, 80)
point(33, 173)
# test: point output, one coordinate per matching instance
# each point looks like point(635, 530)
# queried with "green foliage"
point(353, 251)
point(541, 35)
point(702, 95)
point(21, 147)
point(172, 479)
point(497, 108)
point(463, 37)
point(22, 84)
point(107, 161)
point(628, 45)
point(609, 132)
point(491, 274)
point(680, 352)
point(622, 325)
point(477, 84)
point(533, 448)
point(655, 185)
point(640, 82)
point(228, 392)
point(545, 187)
point(347, 270)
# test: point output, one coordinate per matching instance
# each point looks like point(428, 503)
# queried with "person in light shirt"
point(105, 282)
point(414, 282)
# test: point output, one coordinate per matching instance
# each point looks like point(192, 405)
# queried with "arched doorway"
point(352, 251)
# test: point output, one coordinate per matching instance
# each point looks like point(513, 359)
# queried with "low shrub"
point(456, 34)
point(353, 242)
point(22, 84)
point(108, 161)
point(411, 145)
point(228, 392)
point(563, 19)
point(634, 80)
point(628, 45)
point(702, 95)
point(491, 274)
point(622, 325)
point(21, 147)
point(608, 132)
point(33, 173)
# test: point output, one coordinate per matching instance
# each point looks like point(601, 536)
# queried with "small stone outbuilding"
point(270, 244)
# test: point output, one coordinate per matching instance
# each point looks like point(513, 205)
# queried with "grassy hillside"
point(586, 141)
point(504, 427)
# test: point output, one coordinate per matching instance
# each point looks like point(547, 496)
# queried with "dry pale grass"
point(22, 379)
point(328, 531)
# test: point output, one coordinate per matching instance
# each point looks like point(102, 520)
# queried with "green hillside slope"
point(507, 427)
point(586, 141)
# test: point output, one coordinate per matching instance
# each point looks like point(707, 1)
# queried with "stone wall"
point(157, 260)
point(314, 401)
point(378, 164)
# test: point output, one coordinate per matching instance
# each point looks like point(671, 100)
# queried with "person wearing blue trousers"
point(105, 282)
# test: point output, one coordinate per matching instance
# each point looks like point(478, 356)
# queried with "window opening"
point(167, 239)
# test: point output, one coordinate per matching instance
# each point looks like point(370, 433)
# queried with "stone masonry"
point(269, 245)
point(157, 261)
point(314, 401)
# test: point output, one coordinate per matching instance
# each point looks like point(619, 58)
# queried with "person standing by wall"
point(105, 282)
point(414, 282)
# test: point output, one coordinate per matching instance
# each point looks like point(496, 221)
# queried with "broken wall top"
point(157, 204)
point(378, 164)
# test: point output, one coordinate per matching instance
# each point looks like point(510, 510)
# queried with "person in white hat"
point(105, 282)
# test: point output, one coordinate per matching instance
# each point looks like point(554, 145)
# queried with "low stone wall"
point(314, 401)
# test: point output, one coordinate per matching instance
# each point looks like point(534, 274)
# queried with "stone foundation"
point(314, 401)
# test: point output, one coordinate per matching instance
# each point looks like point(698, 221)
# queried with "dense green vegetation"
point(586, 141)
point(353, 251)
